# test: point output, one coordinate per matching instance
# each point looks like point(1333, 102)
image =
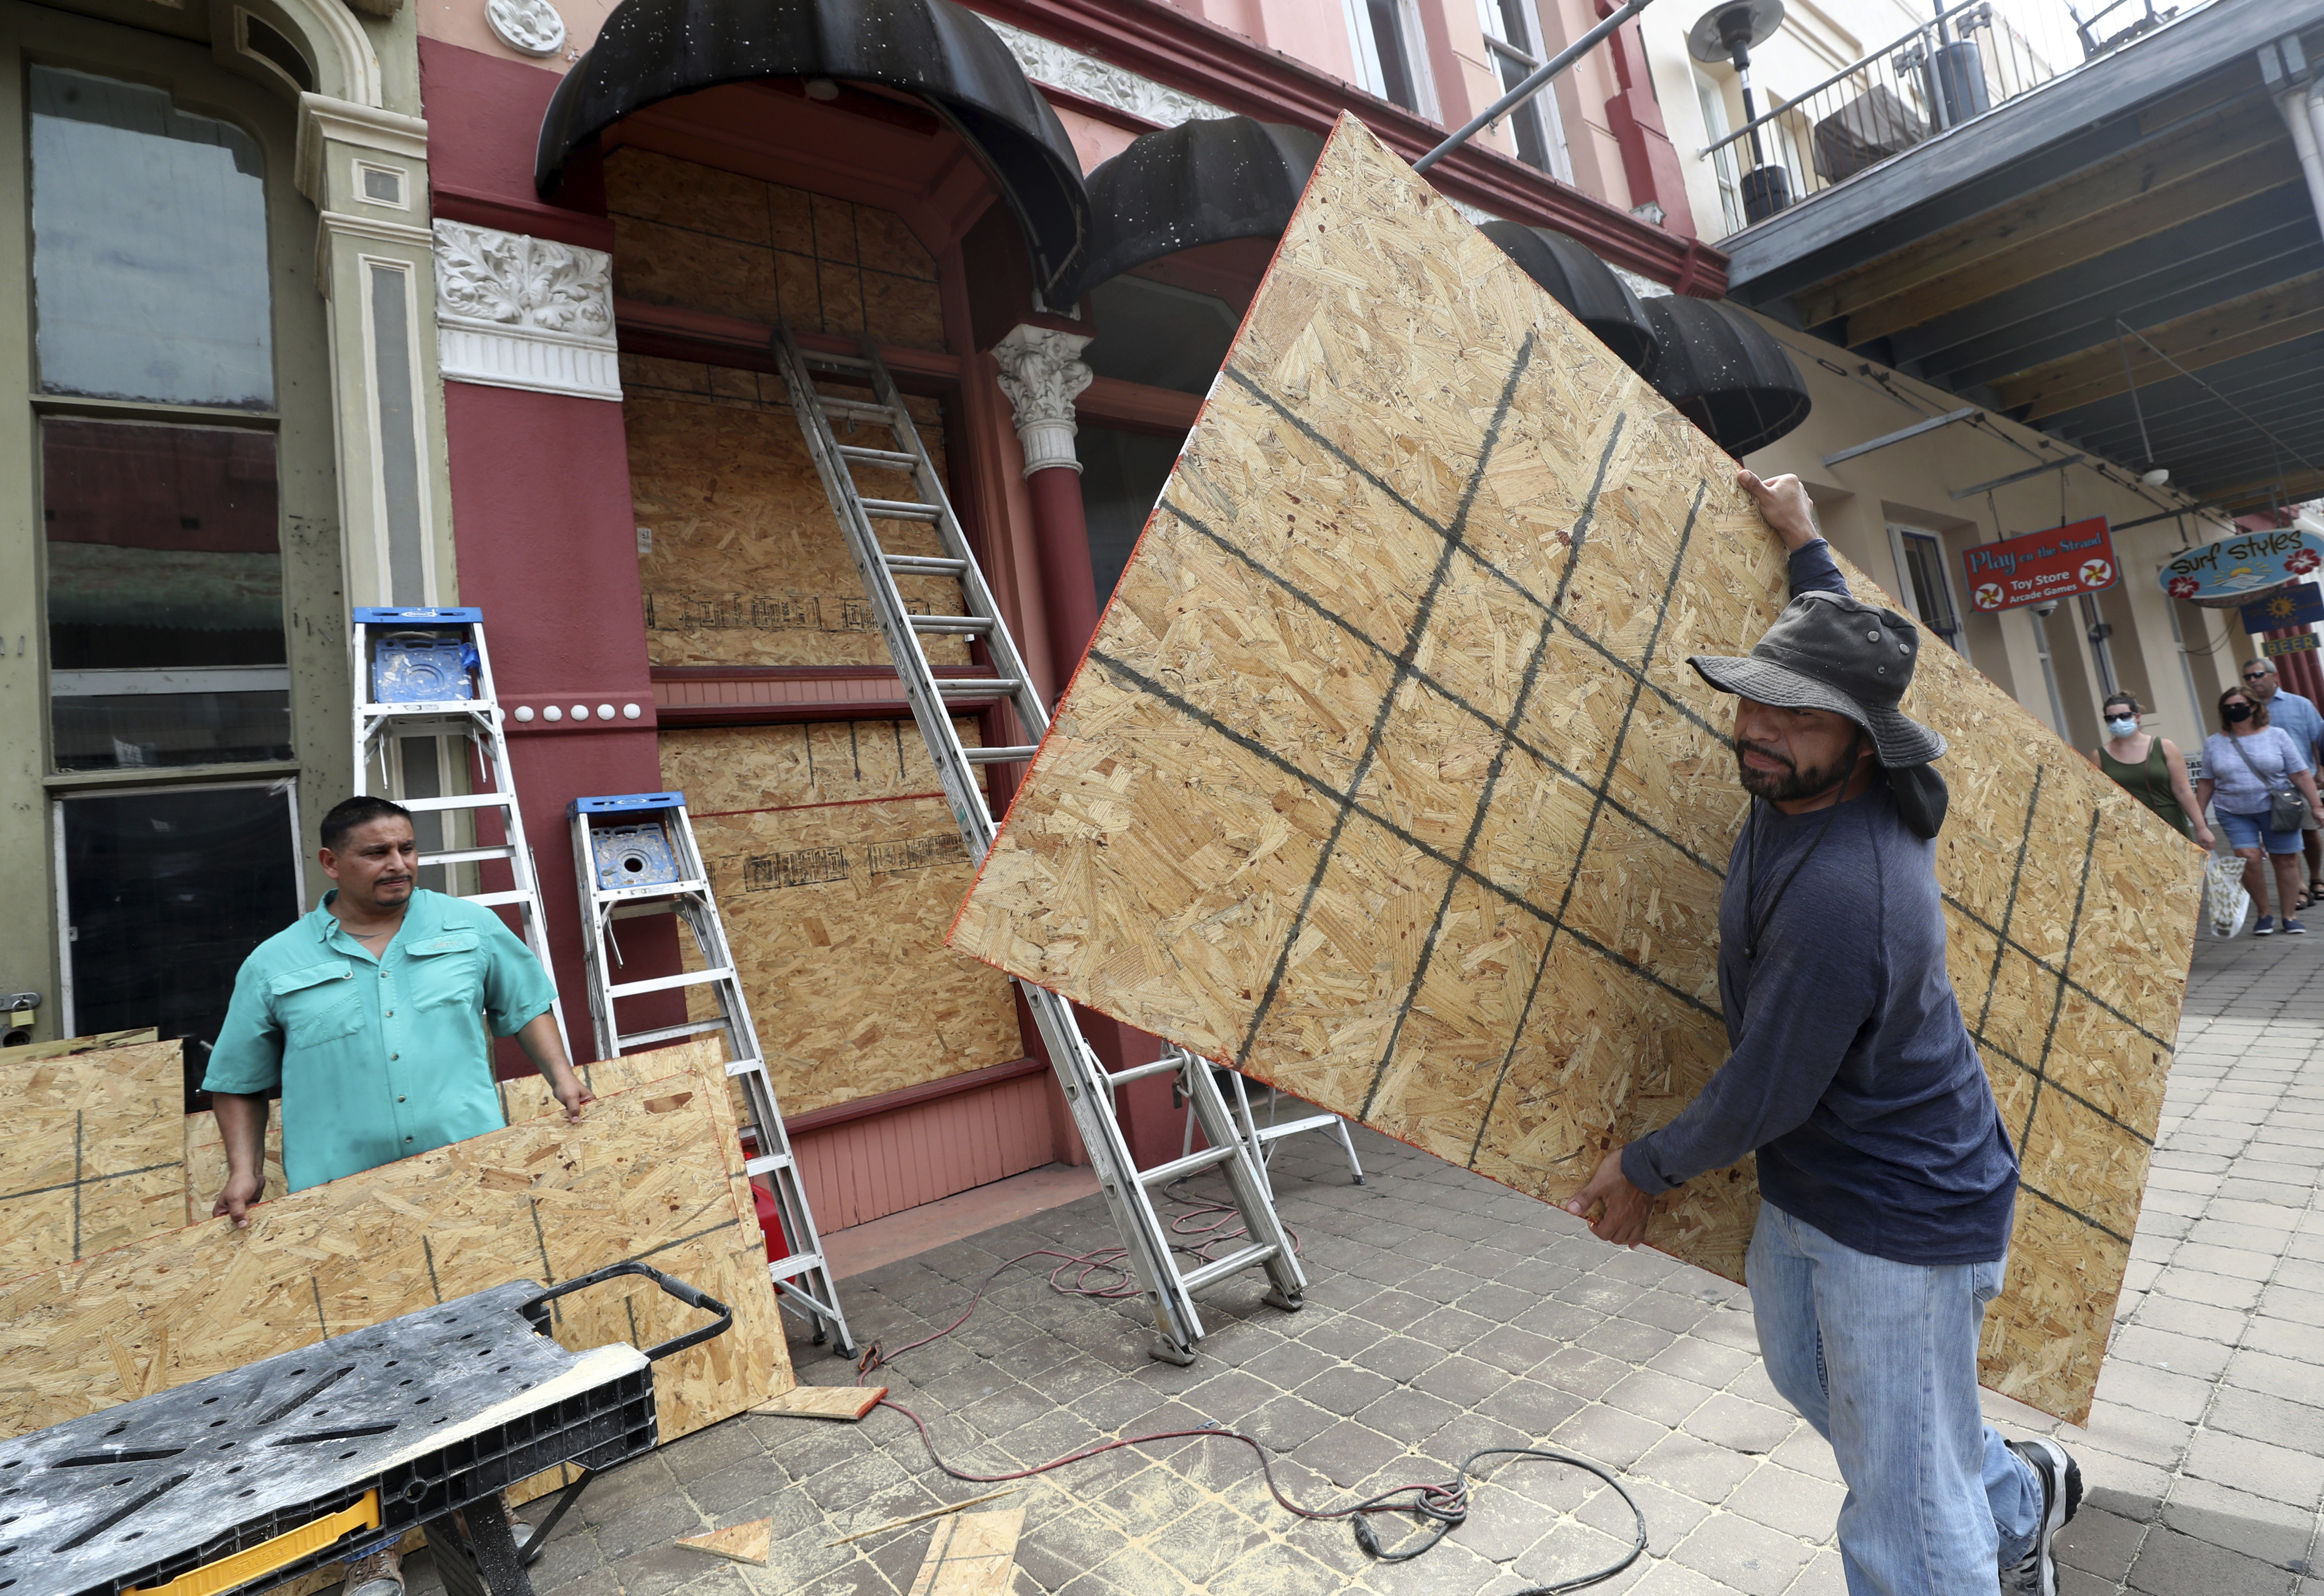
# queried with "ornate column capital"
point(515, 311)
point(1042, 374)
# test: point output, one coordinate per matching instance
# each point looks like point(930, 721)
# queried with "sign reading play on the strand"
point(2042, 568)
point(2234, 571)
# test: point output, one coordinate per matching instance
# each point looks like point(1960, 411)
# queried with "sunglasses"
point(2256, 676)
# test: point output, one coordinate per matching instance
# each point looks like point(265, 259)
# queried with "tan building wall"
point(1912, 483)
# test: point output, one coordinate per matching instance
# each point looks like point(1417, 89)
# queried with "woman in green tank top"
point(2149, 769)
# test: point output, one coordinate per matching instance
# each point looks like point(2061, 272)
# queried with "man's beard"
point(1784, 785)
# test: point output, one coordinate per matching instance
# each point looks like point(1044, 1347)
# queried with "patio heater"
point(1726, 33)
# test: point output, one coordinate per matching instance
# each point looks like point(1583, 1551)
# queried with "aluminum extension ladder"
point(1088, 1085)
point(636, 854)
point(426, 673)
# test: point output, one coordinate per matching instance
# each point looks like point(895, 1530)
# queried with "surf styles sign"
point(2234, 571)
point(2041, 567)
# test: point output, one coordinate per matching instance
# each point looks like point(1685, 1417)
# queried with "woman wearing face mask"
point(2149, 769)
point(2240, 765)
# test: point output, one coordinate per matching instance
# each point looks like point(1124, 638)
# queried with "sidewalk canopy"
point(942, 53)
point(1201, 182)
point(1725, 374)
point(1585, 285)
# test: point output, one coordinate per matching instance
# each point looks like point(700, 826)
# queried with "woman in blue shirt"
point(2241, 762)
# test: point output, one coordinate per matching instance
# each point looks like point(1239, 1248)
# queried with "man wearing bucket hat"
point(1888, 1182)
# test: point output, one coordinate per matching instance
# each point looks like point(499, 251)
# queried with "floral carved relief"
point(509, 279)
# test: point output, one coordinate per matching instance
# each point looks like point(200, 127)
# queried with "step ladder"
point(1088, 1085)
point(426, 673)
point(636, 855)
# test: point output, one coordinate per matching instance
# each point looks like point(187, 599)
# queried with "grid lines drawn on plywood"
point(1386, 780)
point(652, 1173)
point(90, 1160)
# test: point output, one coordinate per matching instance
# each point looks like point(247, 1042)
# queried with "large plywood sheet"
point(838, 868)
point(1386, 778)
point(653, 1173)
point(90, 1159)
point(521, 1099)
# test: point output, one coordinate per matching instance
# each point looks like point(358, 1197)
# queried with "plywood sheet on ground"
point(746, 564)
point(521, 1099)
point(1386, 778)
point(653, 1173)
point(838, 868)
point(90, 1158)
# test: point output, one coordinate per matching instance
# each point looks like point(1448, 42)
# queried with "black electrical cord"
point(1443, 1504)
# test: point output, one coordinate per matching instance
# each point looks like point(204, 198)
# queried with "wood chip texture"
point(653, 1173)
point(91, 1158)
point(1386, 780)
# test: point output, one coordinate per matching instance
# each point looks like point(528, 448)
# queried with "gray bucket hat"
point(1829, 651)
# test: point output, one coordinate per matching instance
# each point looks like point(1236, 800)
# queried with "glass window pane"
point(1387, 20)
point(1122, 473)
point(1924, 562)
point(167, 892)
point(164, 594)
point(1159, 334)
point(149, 248)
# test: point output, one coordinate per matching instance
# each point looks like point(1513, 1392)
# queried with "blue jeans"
point(1881, 1358)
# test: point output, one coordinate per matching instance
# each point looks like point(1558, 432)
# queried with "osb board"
point(59, 1048)
point(653, 1173)
point(972, 1555)
point(838, 868)
point(204, 1156)
point(693, 235)
point(746, 565)
point(1387, 780)
point(90, 1158)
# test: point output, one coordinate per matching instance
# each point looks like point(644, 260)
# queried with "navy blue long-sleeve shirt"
point(1849, 1071)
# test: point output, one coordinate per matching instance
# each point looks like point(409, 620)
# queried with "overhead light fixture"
point(2156, 477)
point(822, 88)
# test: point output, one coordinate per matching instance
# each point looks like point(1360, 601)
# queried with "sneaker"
point(2264, 926)
point(2036, 1572)
point(375, 1573)
point(2294, 928)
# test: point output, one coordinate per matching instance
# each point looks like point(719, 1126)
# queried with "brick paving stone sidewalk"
point(1446, 1314)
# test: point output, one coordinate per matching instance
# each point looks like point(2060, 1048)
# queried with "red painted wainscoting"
point(864, 1160)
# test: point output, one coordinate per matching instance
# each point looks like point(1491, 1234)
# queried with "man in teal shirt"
point(370, 1015)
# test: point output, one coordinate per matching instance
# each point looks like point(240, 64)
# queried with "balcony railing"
point(1941, 76)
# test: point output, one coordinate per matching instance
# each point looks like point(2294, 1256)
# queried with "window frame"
point(1909, 586)
point(1411, 38)
point(1527, 54)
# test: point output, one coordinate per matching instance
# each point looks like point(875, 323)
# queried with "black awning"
point(942, 53)
point(1583, 284)
point(1725, 374)
point(1201, 182)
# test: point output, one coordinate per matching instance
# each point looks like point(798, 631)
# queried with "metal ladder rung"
point(667, 1033)
point(982, 687)
point(798, 1263)
point(631, 989)
point(924, 565)
point(1163, 1174)
point(968, 625)
point(1234, 1263)
point(1139, 1072)
point(761, 1166)
point(1011, 754)
point(854, 409)
point(468, 855)
point(853, 451)
point(819, 360)
point(472, 800)
point(899, 508)
point(496, 899)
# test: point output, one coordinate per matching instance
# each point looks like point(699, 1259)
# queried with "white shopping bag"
point(2226, 904)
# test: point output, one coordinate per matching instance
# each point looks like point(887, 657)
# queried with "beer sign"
point(2041, 567)
point(2232, 572)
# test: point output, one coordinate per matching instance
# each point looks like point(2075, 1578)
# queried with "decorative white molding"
point(1042, 374)
point(322, 119)
point(1646, 287)
point(532, 27)
point(1044, 60)
point(514, 312)
point(342, 51)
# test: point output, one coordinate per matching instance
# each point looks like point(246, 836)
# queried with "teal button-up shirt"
point(377, 1058)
